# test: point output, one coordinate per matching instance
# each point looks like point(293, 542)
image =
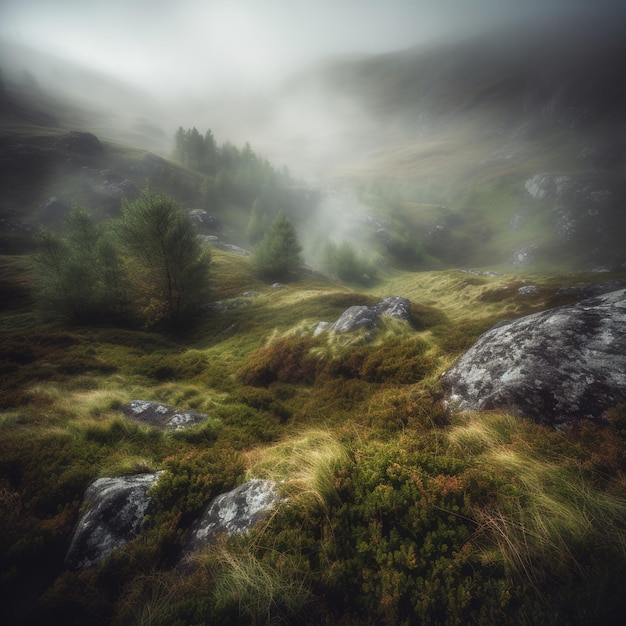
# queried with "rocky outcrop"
point(160, 415)
point(554, 366)
point(86, 144)
point(115, 509)
point(357, 317)
point(583, 210)
point(234, 512)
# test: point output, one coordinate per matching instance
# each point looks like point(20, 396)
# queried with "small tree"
point(278, 253)
point(77, 273)
point(164, 261)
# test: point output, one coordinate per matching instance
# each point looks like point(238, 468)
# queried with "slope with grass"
point(395, 510)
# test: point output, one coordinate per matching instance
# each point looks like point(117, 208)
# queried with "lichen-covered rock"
point(554, 366)
point(234, 512)
point(161, 415)
point(357, 317)
point(115, 509)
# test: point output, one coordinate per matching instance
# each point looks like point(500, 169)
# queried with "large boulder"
point(161, 415)
point(357, 317)
point(234, 512)
point(115, 509)
point(554, 366)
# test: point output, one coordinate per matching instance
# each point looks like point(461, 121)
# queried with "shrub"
point(285, 359)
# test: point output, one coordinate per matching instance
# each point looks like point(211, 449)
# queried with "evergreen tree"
point(278, 253)
point(77, 273)
point(165, 262)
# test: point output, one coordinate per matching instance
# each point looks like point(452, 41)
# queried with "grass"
point(548, 517)
point(304, 465)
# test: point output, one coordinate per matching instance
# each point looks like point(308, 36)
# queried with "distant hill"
point(471, 124)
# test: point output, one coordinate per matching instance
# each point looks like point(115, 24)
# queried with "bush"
point(286, 359)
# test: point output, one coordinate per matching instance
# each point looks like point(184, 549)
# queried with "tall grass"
point(547, 518)
point(305, 465)
point(261, 592)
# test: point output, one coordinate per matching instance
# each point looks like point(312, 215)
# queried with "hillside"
point(470, 125)
point(462, 204)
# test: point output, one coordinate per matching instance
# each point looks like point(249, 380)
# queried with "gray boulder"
point(161, 415)
point(367, 316)
point(204, 222)
point(234, 512)
point(115, 509)
point(555, 366)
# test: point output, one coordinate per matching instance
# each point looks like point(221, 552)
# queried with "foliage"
point(164, 261)
point(147, 263)
point(396, 511)
point(278, 254)
point(344, 262)
point(78, 273)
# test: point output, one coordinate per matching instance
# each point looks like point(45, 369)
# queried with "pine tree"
point(278, 253)
point(165, 262)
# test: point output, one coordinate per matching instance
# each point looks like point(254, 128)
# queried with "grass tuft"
point(305, 465)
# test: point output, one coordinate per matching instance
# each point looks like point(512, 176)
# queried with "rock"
point(208, 239)
point(234, 512)
point(322, 327)
point(118, 190)
point(81, 143)
point(229, 247)
point(277, 286)
point(524, 256)
point(160, 415)
point(115, 509)
point(203, 221)
point(588, 291)
point(528, 290)
point(554, 366)
point(367, 316)
point(53, 211)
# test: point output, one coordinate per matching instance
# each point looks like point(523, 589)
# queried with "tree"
point(278, 253)
point(164, 261)
point(77, 273)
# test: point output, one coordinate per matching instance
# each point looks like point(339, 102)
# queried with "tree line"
point(235, 174)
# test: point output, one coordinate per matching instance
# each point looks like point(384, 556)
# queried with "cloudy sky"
point(179, 42)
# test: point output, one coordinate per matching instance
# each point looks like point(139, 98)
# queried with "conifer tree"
point(164, 260)
point(278, 253)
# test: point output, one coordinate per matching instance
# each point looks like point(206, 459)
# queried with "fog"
point(220, 64)
point(269, 72)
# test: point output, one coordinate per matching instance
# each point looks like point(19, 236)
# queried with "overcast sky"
point(182, 42)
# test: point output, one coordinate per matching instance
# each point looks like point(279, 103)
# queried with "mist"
point(343, 93)
point(225, 65)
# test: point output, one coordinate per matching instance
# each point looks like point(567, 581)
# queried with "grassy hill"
point(396, 510)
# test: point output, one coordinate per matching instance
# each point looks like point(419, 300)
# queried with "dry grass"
point(304, 465)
